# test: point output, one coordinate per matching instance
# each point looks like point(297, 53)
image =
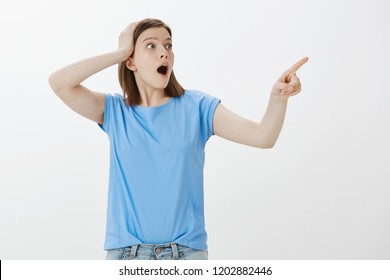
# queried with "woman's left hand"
point(289, 84)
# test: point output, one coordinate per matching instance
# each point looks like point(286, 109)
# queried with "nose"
point(164, 53)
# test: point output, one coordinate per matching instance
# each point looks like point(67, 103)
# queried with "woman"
point(157, 133)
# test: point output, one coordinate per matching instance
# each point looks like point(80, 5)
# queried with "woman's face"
point(153, 58)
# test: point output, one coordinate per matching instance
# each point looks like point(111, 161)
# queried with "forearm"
point(72, 75)
point(264, 134)
point(273, 119)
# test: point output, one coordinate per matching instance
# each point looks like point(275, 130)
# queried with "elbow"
point(264, 138)
point(270, 146)
point(263, 147)
point(266, 145)
point(53, 82)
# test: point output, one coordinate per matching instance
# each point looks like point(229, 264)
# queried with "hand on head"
point(126, 42)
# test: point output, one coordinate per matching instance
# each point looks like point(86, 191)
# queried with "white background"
point(321, 193)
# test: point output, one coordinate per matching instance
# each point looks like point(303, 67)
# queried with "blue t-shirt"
point(156, 170)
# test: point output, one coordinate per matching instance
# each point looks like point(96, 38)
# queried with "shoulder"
point(198, 96)
point(117, 97)
point(205, 102)
point(114, 99)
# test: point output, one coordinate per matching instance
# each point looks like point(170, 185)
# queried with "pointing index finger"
point(297, 65)
point(290, 72)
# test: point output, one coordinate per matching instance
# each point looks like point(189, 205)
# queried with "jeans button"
point(158, 250)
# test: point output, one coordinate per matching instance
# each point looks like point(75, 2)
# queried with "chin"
point(161, 85)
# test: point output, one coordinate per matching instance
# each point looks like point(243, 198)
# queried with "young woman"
point(158, 131)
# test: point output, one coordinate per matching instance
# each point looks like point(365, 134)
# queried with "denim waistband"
point(156, 248)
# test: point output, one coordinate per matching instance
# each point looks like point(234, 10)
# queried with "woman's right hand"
point(126, 41)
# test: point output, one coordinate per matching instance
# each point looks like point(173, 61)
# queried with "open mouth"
point(162, 70)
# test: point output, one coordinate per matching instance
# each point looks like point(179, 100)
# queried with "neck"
point(152, 97)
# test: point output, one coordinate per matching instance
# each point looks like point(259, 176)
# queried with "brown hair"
point(126, 77)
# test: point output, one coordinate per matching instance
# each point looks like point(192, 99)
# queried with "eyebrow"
point(155, 38)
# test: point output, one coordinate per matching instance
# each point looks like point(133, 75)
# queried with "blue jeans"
point(169, 251)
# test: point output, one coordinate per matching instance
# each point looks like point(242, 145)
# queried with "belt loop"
point(174, 251)
point(133, 251)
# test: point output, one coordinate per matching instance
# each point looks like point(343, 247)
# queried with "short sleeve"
point(110, 101)
point(207, 109)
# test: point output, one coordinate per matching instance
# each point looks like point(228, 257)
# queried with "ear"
point(130, 65)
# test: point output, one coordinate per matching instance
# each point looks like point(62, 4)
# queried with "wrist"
point(278, 97)
point(122, 54)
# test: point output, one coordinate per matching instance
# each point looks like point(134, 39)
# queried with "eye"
point(168, 46)
point(150, 46)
